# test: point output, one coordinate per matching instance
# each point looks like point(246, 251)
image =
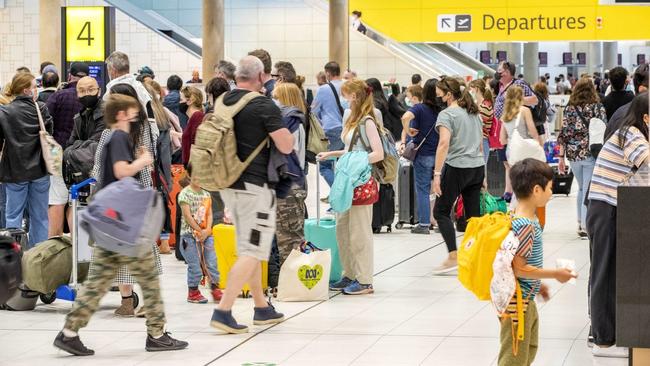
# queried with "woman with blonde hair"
point(290, 218)
point(192, 105)
point(354, 226)
point(517, 115)
point(22, 169)
point(176, 133)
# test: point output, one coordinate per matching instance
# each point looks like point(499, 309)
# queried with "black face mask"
point(183, 107)
point(89, 101)
point(497, 76)
point(441, 103)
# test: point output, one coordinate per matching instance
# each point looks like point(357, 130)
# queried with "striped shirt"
point(529, 234)
point(486, 111)
point(615, 163)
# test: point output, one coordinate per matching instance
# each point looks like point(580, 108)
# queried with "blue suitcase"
point(322, 233)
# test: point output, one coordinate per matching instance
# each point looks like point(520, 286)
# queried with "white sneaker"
point(447, 266)
point(613, 352)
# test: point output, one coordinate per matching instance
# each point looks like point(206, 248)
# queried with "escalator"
point(431, 59)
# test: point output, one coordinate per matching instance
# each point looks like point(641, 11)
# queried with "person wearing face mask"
point(192, 105)
point(79, 154)
point(459, 169)
point(419, 125)
point(63, 106)
point(413, 95)
point(506, 77)
point(22, 169)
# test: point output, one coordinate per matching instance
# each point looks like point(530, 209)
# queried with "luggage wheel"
point(48, 298)
point(136, 300)
point(389, 230)
point(399, 226)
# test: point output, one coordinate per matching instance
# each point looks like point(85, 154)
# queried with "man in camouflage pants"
point(87, 301)
point(289, 231)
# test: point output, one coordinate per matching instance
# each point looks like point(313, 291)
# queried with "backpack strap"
point(237, 107)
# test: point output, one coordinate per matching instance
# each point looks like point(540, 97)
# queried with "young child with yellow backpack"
point(501, 259)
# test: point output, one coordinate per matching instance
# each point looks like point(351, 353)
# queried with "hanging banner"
point(503, 20)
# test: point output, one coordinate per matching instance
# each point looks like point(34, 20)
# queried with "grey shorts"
point(253, 212)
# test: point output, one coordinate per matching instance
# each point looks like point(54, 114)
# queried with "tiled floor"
point(413, 319)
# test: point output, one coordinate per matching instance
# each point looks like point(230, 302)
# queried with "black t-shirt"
point(615, 123)
point(615, 100)
point(118, 148)
point(252, 125)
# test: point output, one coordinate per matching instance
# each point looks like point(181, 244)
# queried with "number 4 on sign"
point(88, 37)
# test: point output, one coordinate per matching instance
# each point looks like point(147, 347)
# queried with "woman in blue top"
point(421, 119)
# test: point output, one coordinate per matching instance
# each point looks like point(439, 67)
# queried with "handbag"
point(305, 274)
point(366, 194)
point(411, 150)
point(494, 138)
point(51, 150)
point(521, 148)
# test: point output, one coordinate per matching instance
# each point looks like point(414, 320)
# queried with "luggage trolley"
point(79, 253)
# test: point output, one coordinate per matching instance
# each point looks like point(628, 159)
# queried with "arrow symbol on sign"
point(445, 22)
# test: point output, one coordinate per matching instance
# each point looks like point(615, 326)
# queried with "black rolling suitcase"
point(562, 182)
point(18, 235)
point(407, 205)
point(383, 211)
point(496, 174)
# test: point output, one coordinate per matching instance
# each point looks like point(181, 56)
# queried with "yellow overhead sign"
point(84, 40)
point(504, 20)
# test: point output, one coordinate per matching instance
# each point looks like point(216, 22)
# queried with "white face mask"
point(408, 102)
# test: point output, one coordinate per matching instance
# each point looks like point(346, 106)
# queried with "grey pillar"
point(531, 62)
point(595, 57)
point(610, 55)
point(515, 55)
point(339, 33)
point(213, 36)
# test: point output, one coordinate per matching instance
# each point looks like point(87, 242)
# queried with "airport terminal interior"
point(488, 205)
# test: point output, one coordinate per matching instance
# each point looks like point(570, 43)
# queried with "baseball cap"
point(50, 68)
point(79, 69)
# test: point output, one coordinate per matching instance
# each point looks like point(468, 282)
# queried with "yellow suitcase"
point(226, 249)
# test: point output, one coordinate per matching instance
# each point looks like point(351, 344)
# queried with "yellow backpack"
point(483, 238)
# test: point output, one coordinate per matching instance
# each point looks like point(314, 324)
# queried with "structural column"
point(50, 32)
point(610, 55)
point(531, 62)
point(595, 57)
point(339, 33)
point(213, 36)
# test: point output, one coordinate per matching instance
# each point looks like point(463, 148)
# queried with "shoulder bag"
point(521, 148)
point(411, 150)
point(51, 150)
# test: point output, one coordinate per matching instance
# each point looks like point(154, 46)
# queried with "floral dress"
point(574, 135)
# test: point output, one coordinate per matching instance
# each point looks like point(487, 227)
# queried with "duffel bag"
point(49, 264)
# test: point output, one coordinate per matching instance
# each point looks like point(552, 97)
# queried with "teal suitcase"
point(322, 233)
point(323, 236)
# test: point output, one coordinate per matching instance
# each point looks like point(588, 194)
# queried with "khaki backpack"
point(214, 152)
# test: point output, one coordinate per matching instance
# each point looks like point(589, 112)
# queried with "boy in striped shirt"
point(532, 183)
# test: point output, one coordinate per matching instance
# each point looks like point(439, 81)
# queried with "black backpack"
point(10, 267)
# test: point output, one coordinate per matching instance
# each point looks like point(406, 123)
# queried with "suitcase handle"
point(74, 190)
